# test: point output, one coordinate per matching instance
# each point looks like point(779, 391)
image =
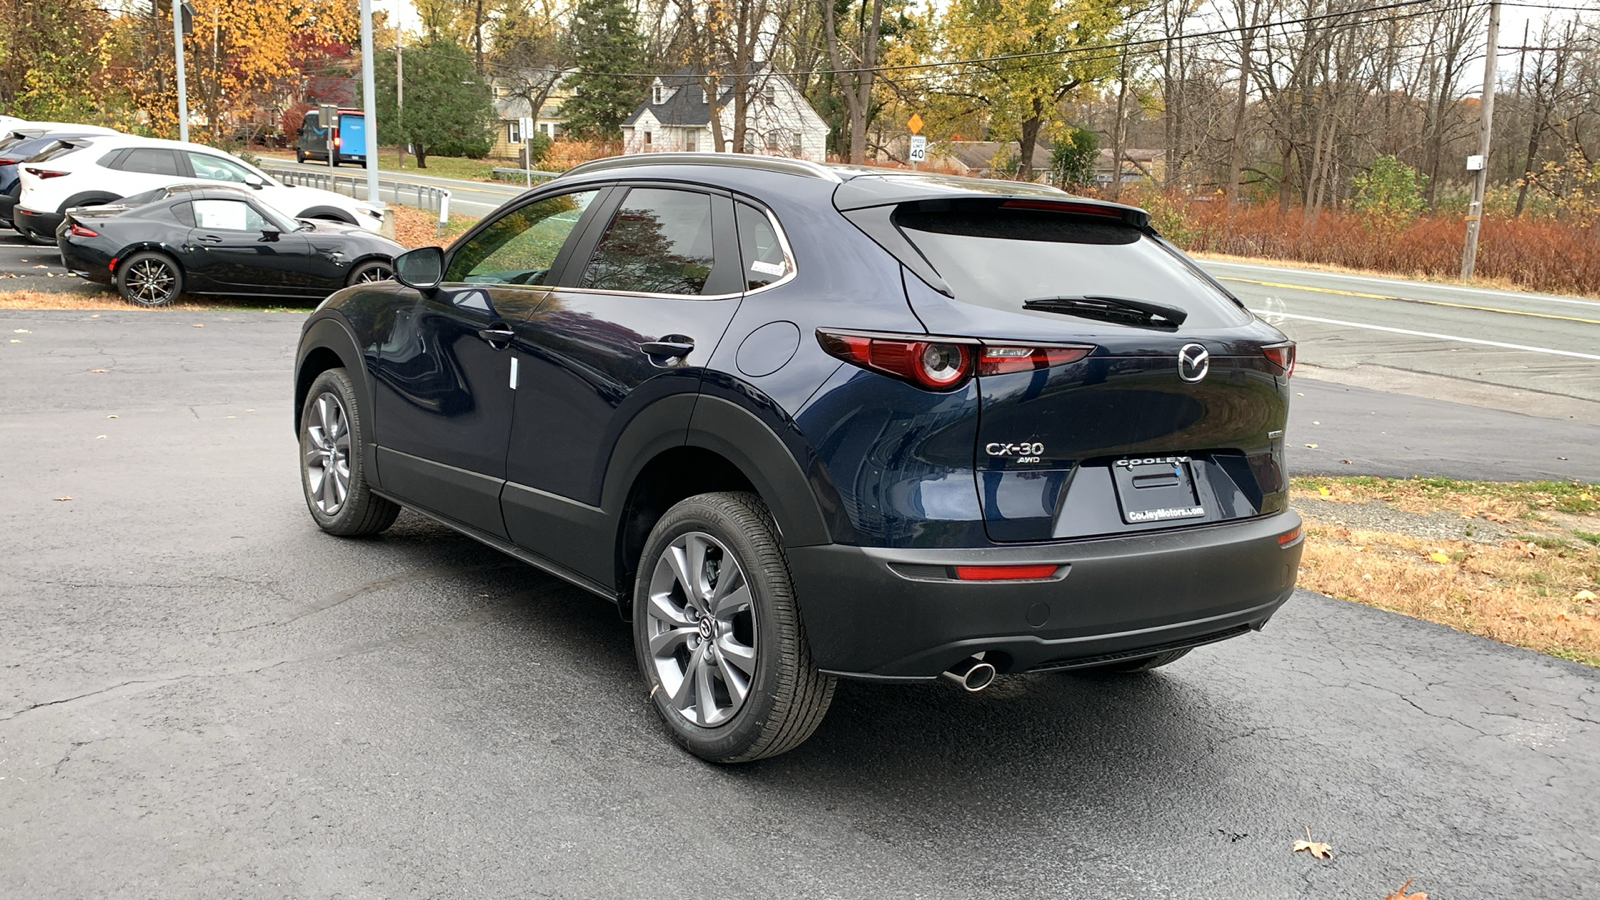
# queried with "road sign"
point(914, 123)
point(919, 148)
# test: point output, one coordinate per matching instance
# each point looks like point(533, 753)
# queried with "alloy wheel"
point(374, 273)
point(326, 450)
point(151, 281)
point(701, 629)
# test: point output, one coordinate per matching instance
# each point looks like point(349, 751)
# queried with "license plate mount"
point(1156, 489)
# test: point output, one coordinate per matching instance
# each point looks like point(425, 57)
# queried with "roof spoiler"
point(895, 189)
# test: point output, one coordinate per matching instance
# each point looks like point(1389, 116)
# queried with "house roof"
point(979, 155)
point(686, 105)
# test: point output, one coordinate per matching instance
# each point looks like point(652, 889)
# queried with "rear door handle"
point(670, 347)
point(498, 335)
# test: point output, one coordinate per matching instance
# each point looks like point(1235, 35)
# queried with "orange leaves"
point(1400, 893)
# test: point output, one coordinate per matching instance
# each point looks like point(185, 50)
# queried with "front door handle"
point(209, 239)
point(669, 351)
point(498, 335)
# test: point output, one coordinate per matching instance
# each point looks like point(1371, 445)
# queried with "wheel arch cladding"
point(87, 198)
point(738, 435)
point(327, 344)
point(327, 212)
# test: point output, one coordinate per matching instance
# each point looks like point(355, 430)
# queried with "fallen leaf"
point(98, 371)
point(95, 316)
point(111, 417)
point(1316, 423)
point(1324, 492)
point(1317, 849)
point(1583, 597)
point(20, 331)
point(99, 437)
point(1438, 557)
point(1561, 457)
point(1345, 461)
point(1311, 446)
point(61, 499)
point(198, 325)
point(1400, 893)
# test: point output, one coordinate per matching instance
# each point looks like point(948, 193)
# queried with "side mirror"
point(421, 268)
point(270, 235)
point(254, 182)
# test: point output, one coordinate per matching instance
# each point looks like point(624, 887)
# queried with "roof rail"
point(782, 164)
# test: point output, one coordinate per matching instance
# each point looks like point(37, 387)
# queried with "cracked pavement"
point(202, 695)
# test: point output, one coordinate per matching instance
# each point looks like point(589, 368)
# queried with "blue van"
point(349, 138)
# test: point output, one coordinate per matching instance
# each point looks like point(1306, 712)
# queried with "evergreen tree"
point(606, 48)
point(448, 108)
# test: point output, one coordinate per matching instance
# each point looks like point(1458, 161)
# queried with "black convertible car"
point(209, 239)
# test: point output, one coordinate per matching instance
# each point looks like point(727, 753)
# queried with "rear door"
point(627, 330)
point(143, 168)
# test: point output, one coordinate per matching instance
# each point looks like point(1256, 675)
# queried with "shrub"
point(1073, 159)
point(1390, 192)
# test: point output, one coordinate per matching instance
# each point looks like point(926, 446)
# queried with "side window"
point(227, 215)
point(764, 259)
point(658, 242)
point(150, 162)
point(215, 168)
point(183, 213)
point(521, 246)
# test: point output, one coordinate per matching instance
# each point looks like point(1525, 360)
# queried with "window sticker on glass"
point(766, 268)
point(227, 215)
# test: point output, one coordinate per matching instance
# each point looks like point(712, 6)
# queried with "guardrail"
point(526, 176)
point(434, 199)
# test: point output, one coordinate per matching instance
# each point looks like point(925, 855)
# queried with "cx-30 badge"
point(1194, 361)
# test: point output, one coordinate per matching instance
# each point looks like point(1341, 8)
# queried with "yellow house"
point(511, 102)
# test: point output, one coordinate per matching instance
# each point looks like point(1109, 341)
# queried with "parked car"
point(87, 171)
point(27, 140)
point(216, 239)
point(349, 138)
point(802, 422)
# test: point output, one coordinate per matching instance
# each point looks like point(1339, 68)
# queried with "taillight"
point(43, 173)
point(1004, 359)
point(337, 141)
point(81, 231)
point(943, 364)
point(936, 365)
point(1281, 355)
point(1006, 573)
point(8, 161)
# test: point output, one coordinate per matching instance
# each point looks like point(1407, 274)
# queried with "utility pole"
point(1469, 252)
point(400, 93)
point(369, 102)
point(183, 87)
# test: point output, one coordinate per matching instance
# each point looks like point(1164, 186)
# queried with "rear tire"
point(150, 279)
point(718, 635)
point(299, 155)
point(1128, 666)
point(332, 474)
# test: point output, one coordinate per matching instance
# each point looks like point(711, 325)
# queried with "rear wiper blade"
point(1125, 310)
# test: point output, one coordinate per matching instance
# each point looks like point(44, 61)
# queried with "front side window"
point(764, 259)
point(227, 215)
point(215, 168)
point(150, 162)
point(659, 242)
point(521, 246)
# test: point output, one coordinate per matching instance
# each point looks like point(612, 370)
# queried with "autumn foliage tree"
point(51, 57)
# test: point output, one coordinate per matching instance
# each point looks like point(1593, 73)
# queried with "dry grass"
point(1543, 254)
point(1500, 284)
point(1536, 590)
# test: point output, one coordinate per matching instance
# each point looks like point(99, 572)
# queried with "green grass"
point(443, 166)
point(1589, 536)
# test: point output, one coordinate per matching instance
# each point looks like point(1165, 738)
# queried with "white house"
point(780, 122)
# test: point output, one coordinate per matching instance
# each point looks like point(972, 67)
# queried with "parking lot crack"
point(370, 587)
point(84, 696)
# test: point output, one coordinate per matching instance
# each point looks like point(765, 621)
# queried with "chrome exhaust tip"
point(972, 674)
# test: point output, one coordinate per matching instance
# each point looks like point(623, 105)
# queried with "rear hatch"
point(1173, 418)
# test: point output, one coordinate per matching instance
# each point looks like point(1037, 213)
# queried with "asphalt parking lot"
point(205, 696)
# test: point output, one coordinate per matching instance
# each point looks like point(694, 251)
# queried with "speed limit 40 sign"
point(919, 148)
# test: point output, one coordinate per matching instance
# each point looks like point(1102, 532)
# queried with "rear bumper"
point(40, 223)
point(894, 614)
point(87, 262)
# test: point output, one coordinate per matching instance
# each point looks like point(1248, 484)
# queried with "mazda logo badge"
point(1194, 361)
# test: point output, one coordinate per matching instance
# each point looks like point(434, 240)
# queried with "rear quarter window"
point(1000, 258)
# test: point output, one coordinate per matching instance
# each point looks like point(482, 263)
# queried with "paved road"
point(1529, 341)
point(471, 198)
point(204, 696)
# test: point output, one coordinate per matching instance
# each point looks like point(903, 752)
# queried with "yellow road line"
point(1467, 306)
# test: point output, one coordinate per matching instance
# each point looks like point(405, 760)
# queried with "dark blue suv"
point(803, 422)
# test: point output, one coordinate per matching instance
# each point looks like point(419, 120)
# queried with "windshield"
point(55, 149)
point(1001, 258)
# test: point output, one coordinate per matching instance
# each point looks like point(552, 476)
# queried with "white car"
point(100, 169)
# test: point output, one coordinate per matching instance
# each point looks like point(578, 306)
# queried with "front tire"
point(718, 634)
point(150, 279)
point(299, 155)
point(332, 474)
point(367, 272)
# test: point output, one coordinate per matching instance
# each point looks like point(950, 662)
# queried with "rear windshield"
point(55, 149)
point(1002, 257)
